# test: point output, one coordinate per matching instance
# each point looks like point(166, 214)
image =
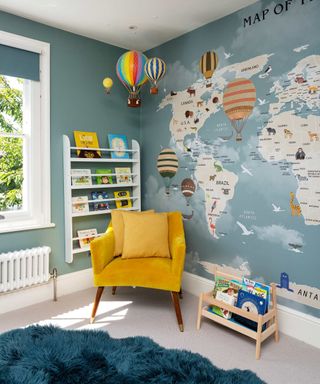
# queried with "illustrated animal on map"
point(196, 120)
point(226, 191)
point(187, 149)
point(300, 154)
point(302, 178)
point(295, 208)
point(212, 226)
point(207, 109)
point(173, 93)
point(271, 131)
point(194, 128)
point(175, 121)
point(188, 114)
point(212, 177)
point(217, 167)
point(191, 91)
point(266, 73)
point(313, 136)
point(300, 80)
point(287, 133)
point(284, 282)
point(213, 206)
point(215, 100)
point(200, 103)
point(313, 89)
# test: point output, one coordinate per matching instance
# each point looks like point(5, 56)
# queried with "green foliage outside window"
point(11, 148)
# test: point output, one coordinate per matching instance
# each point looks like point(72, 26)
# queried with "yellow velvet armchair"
point(150, 272)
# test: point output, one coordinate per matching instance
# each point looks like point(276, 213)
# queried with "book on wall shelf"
point(123, 175)
point(118, 143)
point(104, 178)
point(126, 202)
point(87, 140)
point(86, 236)
point(80, 204)
point(100, 205)
point(81, 177)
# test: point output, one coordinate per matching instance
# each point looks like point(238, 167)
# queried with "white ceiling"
point(109, 20)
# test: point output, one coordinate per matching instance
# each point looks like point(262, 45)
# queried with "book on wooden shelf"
point(123, 175)
point(81, 177)
point(125, 203)
point(87, 140)
point(86, 236)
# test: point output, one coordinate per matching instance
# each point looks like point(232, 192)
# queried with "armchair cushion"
point(118, 229)
point(145, 235)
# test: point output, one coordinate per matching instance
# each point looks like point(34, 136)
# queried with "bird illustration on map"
point(262, 101)
point(277, 209)
point(246, 170)
point(301, 48)
point(245, 231)
point(227, 55)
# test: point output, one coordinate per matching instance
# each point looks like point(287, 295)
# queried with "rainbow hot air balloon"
point(238, 102)
point(155, 69)
point(187, 188)
point(130, 71)
point(167, 165)
point(208, 64)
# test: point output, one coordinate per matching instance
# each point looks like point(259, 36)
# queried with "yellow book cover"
point(125, 203)
point(87, 140)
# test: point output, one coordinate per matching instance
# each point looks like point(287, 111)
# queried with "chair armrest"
point(102, 249)
point(178, 253)
point(177, 242)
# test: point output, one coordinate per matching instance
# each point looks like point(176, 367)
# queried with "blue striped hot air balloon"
point(154, 69)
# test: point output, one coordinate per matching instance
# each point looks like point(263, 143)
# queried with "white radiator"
point(24, 268)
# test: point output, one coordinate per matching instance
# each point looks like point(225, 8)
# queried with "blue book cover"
point(118, 142)
point(253, 304)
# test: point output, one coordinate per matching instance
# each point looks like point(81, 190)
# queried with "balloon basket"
point(153, 90)
point(134, 102)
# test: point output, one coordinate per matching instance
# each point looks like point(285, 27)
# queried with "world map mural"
point(255, 210)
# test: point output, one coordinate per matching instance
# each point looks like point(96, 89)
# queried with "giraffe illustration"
point(295, 208)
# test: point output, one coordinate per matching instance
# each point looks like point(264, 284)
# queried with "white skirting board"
point(66, 284)
point(291, 322)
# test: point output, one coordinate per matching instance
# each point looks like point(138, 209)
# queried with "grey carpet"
point(150, 313)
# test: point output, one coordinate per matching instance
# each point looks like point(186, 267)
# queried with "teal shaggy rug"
point(49, 355)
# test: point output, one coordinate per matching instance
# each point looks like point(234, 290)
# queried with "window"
point(24, 134)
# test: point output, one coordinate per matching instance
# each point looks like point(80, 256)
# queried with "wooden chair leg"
point(114, 290)
point(181, 294)
point(175, 299)
point(96, 303)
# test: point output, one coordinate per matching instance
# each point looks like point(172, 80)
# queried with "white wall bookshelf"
point(71, 162)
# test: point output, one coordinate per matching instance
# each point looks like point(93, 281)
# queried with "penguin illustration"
point(266, 72)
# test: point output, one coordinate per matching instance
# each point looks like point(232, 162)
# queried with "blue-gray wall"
point(278, 242)
point(78, 102)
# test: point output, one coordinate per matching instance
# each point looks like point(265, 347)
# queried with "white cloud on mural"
point(238, 267)
point(279, 234)
point(178, 77)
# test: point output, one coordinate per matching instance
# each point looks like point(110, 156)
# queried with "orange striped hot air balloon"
point(208, 63)
point(238, 102)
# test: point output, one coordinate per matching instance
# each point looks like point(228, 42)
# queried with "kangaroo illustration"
point(295, 208)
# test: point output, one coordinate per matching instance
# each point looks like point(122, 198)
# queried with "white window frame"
point(38, 171)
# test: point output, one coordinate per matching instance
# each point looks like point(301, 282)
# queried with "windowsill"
point(27, 228)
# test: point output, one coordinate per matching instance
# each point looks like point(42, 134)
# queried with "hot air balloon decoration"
point(155, 69)
point(130, 71)
point(208, 64)
point(238, 102)
point(107, 84)
point(167, 165)
point(188, 188)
